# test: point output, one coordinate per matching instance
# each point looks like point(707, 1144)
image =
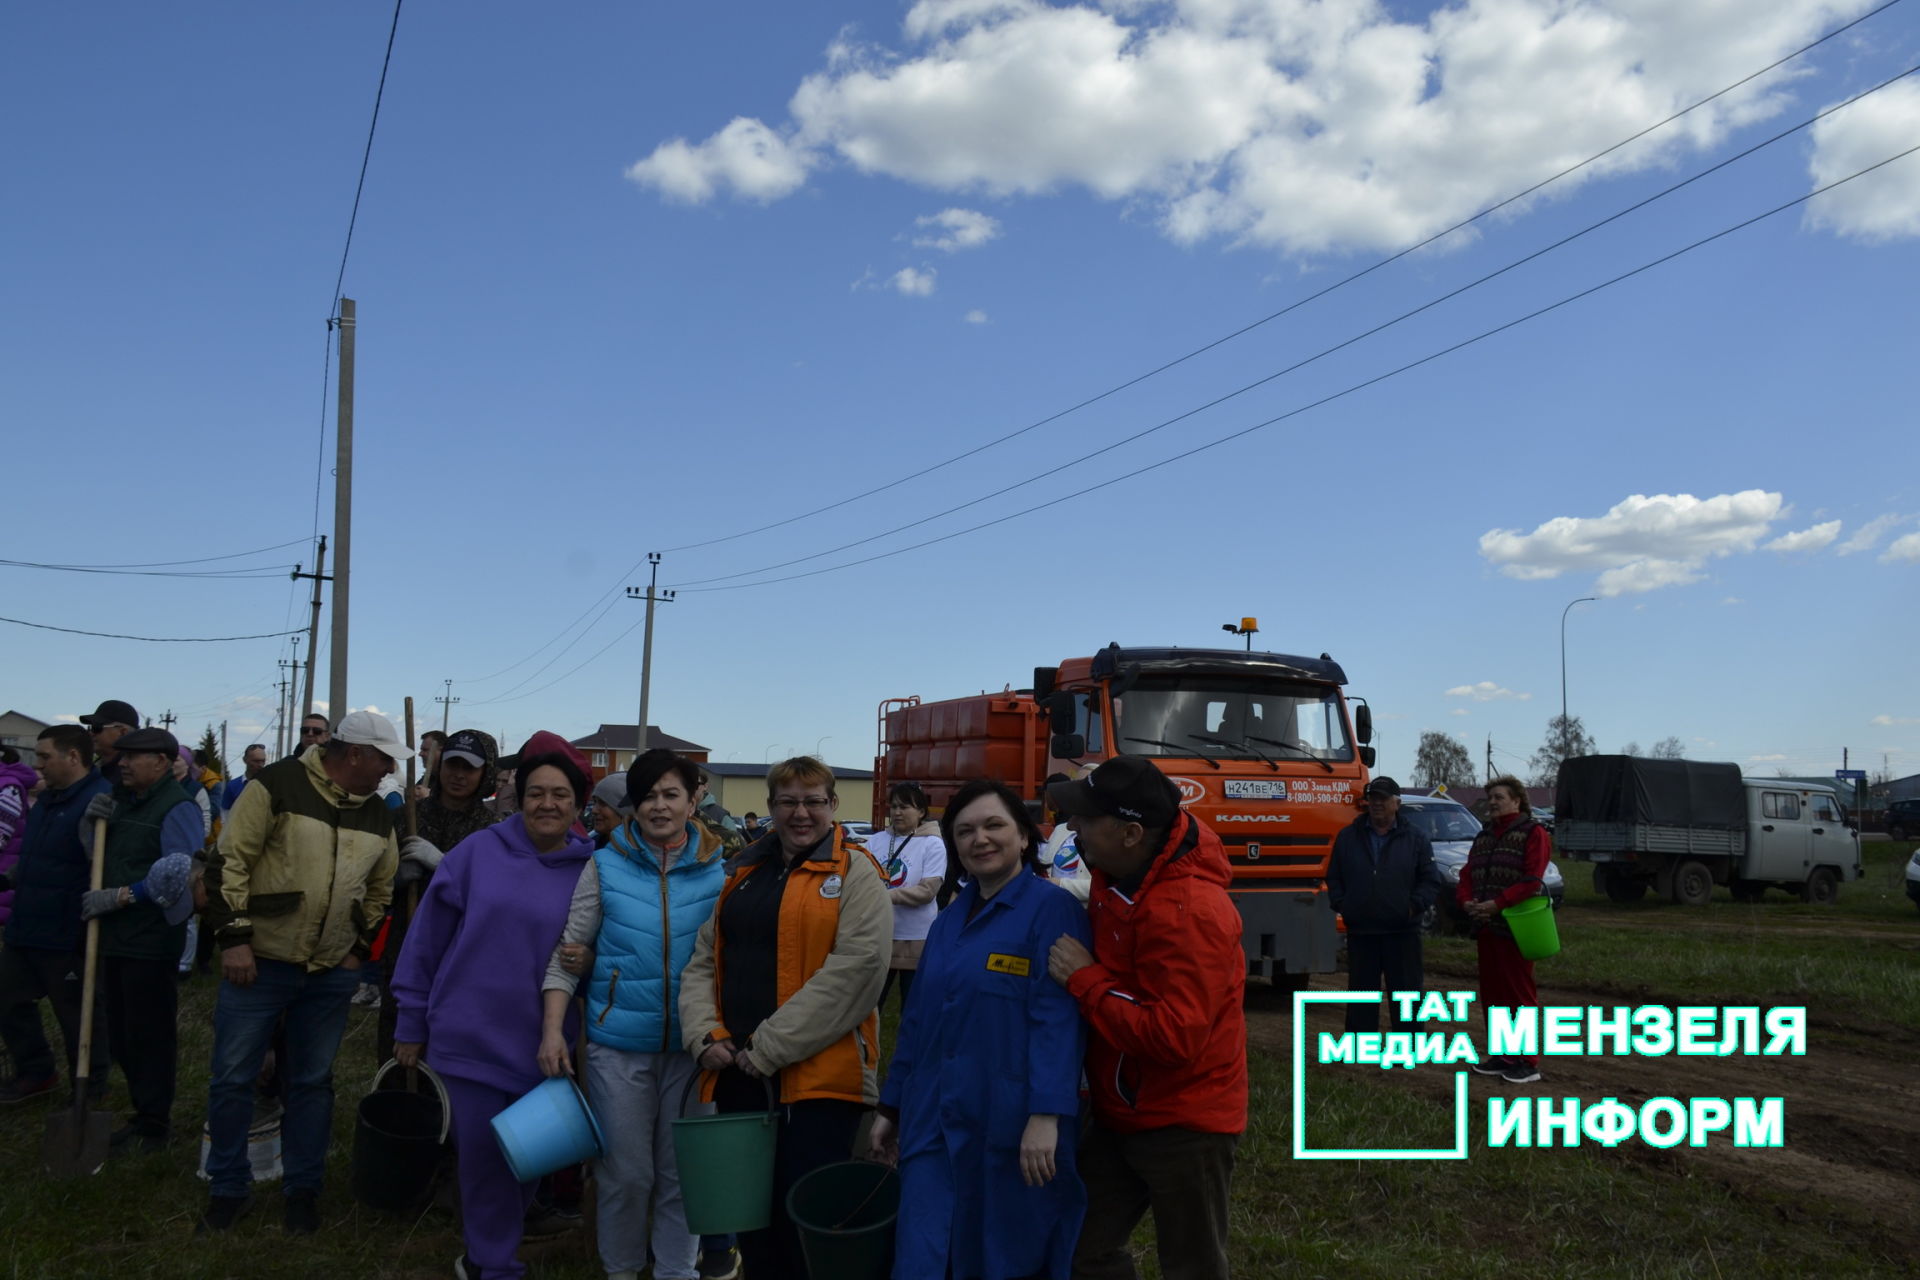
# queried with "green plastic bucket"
point(844, 1214)
point(726, 1167)
point(1533, 928)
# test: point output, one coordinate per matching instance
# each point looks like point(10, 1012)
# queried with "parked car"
point(1903, 819)
point(1450, 827)
point(1913, 877)
point(858, 830)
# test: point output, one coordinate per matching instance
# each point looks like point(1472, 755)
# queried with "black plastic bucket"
point(398, 1138)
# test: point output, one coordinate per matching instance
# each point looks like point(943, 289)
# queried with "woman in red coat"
point(1504, 867)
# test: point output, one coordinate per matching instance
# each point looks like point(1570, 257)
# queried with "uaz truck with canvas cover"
point(1261, 746)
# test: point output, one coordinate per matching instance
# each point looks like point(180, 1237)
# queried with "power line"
point(1303, 363)
point(1054, 503)
point(535, 674)
point(1291, 307)
point(158, 564)
point(230, 575)
point(366, 156)
point(114, 635)
point(599, 654)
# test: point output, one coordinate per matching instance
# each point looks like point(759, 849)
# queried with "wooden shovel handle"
point(83, 1059)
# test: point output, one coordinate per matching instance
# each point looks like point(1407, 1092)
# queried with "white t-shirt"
point(909, 860)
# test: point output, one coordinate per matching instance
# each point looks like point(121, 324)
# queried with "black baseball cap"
point(1126, 787)
point(112, 711)
point(466, 746)
point(152, 739)
point(1383, 786)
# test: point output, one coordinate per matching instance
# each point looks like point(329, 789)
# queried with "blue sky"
point(637, 277)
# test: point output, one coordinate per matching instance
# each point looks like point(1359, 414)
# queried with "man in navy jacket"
point(1381, 879)
point(44, 953)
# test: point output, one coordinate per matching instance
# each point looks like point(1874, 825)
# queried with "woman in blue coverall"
point(981, 1106)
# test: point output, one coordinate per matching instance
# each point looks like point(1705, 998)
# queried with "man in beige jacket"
point(295, 893)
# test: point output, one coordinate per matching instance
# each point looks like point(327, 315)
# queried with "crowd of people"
point(1071, 1047)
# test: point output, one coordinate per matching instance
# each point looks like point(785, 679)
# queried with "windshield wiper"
point(1294, 746)
point(1237, 746)
point(1174, 746)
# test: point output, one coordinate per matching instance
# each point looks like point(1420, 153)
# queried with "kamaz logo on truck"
point(1252, 817)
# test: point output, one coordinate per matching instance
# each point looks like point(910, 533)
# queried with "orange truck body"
point(1262, 746)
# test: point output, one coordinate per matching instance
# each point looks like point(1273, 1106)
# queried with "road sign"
point(1853, 775)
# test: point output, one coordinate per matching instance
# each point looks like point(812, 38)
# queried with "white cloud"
point(1487, 691)
point(1882, 205)
point(1814, 539)
point(912, 283)
point(1732, 600)
point(1891, 721)
point(1868, 535)
point(1459, 711)
point(1641, 544)
point(952, 230)
point(746, 156)
point(1301, 125)
point(1904, 549)
point(1772, 758)
point(975, 316)
point(67, 718)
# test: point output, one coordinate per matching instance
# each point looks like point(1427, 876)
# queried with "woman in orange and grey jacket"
point(782, 992)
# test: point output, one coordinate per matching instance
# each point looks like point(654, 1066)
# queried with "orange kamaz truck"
point(1261, 745)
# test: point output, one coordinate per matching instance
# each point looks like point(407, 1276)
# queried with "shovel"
point(76, 1139)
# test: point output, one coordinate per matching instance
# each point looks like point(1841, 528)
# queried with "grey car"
point(1450, 827)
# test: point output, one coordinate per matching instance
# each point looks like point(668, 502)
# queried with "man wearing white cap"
point(295, 893)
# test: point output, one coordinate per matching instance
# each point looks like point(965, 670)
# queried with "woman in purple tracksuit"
point(468, 988)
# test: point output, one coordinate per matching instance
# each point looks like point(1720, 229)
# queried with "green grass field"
point(1499, 1214)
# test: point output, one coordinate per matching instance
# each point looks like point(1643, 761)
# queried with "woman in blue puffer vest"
point(638, 907)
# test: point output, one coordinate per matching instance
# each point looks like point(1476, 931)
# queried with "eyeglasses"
point(310, 731)
point(812, 804)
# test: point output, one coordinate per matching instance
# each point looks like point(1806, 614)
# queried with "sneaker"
point(1491, 1066)
point(302, 1213)
point(222, 1212)
point(21, 1088)
point(463, 1269)
point(1521, 1073)
point(129, 1138)
point(720, 1264)
point(367, 997)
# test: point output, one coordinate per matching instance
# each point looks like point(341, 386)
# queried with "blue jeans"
point(315, 1005)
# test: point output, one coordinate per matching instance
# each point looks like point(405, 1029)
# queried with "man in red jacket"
point(1161, 990)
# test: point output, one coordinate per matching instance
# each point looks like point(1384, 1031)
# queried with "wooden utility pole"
point(319, 575)
point(342, 519)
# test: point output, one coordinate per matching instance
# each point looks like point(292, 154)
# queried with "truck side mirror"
point(1067, 746)
point(1363, 725)
point(1044, 678)
point(1367, 756)
point(1061, 713)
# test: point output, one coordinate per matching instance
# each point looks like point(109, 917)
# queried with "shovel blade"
point(76, 1142)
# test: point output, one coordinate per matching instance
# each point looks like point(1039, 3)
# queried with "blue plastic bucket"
point(549, 1128)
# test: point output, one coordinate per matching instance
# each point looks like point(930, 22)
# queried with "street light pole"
point(1563, 658)
point(652, 596)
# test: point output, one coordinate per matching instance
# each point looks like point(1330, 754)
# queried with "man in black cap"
point(110, 721)
point(1161, 992)
point(1381, 879)
point(153, 832)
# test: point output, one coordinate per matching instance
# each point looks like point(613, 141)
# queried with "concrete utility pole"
point(291, 683)
point(168, 719)
point(319, 575)
point(652, 596)
point(342, 518)
point(280, 714)
point(223, 748)
point(446, 706)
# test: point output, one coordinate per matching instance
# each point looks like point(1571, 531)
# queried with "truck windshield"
point(1304, 717)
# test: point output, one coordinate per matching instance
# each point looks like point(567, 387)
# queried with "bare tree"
point(1669, 748)
point(1631, 749)
point(1442, 761)
point(1566, 738)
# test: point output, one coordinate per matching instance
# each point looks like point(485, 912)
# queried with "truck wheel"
point(1748, 890)
point(1622, 889)
point(1822, 888)
point(1897, 832)
point(1692, 884)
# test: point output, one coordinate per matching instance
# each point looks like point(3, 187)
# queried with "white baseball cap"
point(371, 729)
